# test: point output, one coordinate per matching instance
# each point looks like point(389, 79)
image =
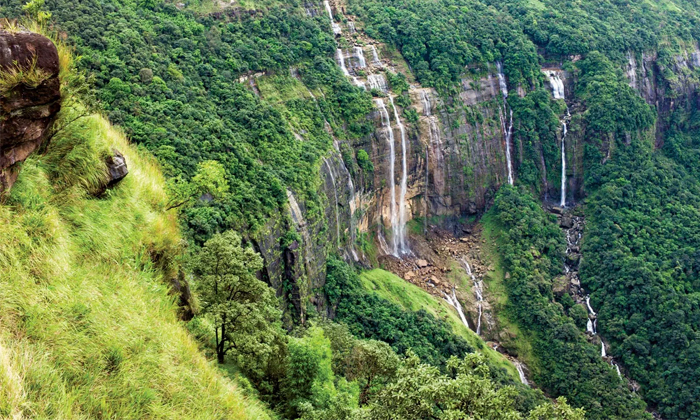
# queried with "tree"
point(243, 309)
point(371, 362)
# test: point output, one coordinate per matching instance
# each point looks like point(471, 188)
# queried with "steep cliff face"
point(30, 98)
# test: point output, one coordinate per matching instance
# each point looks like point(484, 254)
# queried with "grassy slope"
point(498, 296)
point(87, 327)
point(409, 296)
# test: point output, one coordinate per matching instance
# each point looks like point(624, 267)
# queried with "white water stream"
point(402, 246)
point(375, 56)
point(386, 124)
point(562, 201)
point(452, 300)
point(360, 57)
point(334, 26)
point(556, 83)
point(507, 130)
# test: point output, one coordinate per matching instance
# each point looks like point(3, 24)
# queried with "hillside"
point(396, 189)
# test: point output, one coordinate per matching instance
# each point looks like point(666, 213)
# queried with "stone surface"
point(26, 113)
point(116, 166)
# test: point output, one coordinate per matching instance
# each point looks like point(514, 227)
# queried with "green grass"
point(88, 328)
point(394, 289)
point(498, 296)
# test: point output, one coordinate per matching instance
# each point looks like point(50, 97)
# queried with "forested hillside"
point(528, 170)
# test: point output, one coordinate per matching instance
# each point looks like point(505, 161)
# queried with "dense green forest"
point(181, 80)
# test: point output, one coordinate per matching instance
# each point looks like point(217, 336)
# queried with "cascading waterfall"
point(360, 57)
point(334, 26)
point(386, 124)
point(335, 193)
point(477, 291)
point(562, 202)
point(351, 27)
point(341, 61)
point(427, 106)
point(589, 327)
point(403, 247)
point(375, 56)
point(588, 304)
point(521, 373)
point(556, 83)
point(602, 349)
point(452, 300)
point(507, 131)
point(377, 81)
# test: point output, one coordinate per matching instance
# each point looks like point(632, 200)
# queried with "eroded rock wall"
point(28, 103)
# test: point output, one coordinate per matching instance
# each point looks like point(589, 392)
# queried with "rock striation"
point(27, 109)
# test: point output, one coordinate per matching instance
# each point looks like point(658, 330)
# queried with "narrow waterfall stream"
point(341, 61)
point(452, 300)
point(521, 373)
point(386, 124)
point(507, 130)
point(360, 54)
point(478, 292)
point(427, 105)
point(378, 81)
point(562, 201)
point(334, 26)
point(375, 56)
point(403, 246)
point(574, 232)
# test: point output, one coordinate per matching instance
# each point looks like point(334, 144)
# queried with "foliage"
point(242, 308)
point(567, 365)
point(372, 317)
point(421, 391)
point(88, 327)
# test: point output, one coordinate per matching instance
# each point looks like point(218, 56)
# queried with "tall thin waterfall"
point(452, 300)
point(375, 56)
point(588, 304)
point(589, 327)
point(386, 123)
point(477, 291)
point(334, 26)
point(341, 61)
point(403, 247)
point(507, 131)
point(377, 81)
point(360, 57)
point(602, 349)
point(335, 193)
point(425, 99)
point(556, 83)
point(562, 202)
point(521, 373)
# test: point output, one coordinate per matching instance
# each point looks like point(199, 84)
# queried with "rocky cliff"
point(30, 98)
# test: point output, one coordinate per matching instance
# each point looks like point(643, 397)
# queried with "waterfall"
point(589, 326)
point(335, 193)
point(588, 304)
point(341, 60)
point(477, 291)
point(360, 57)
point(386, 123)
point(375, 56)
point(502, 80)
point(507, 131)
point(556, 83)
point(403, 248)
point(351, 27)
point(617, 368)
point(334, 26)
point(562, 202)
point(602, 349)
point(521, 373)
point(427, 106)
point(377, 81)
point(509, 136)
point(452, 300)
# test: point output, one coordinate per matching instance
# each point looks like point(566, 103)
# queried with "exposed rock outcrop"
point(28, 105)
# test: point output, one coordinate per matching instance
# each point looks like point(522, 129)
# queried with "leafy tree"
point(369, 362)
point(242, 308)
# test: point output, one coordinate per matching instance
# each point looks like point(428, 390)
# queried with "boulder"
point(422, 263)
point(566, 222)
point(116, 167)
point(27, 110)
point(409, 275)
